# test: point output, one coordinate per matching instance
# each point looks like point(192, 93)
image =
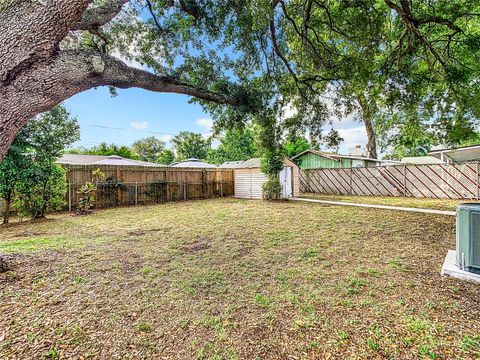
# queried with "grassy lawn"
point(228, 279)
point(437, 204)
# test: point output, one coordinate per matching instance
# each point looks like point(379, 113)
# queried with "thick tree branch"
point(412, 26)
point(120, 75)
point(98, 16)
point(70, 72)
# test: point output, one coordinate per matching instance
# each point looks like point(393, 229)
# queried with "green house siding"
point(315, 161)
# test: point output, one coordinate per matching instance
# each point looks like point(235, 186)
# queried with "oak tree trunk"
point(367, 121)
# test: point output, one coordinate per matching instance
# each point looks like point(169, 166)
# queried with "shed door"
point(286, 181)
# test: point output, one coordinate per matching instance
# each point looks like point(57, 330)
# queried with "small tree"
point(272, 160)
point(296, 146)
point(41, 191)
point(12, 169)
point(42, 186)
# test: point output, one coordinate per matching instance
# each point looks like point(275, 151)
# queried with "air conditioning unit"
point(468, 237)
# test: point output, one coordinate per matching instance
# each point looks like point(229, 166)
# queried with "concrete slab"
point(386, 207)
point(450, 268)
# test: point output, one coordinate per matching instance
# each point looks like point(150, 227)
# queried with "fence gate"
point(441, 181)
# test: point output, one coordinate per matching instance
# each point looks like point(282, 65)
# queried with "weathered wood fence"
point(442, 181)
point(132, 185)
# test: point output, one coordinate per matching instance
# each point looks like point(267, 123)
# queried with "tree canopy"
point(374, 59)
point(148, 149)
point(190, 145)
point(247, 60)
point(236, 144)
point(106, 149)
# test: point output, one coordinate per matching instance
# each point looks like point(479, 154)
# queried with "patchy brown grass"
point(437, 204)
point(227, 279)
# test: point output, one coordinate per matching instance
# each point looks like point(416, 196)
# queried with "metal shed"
point(249, 179)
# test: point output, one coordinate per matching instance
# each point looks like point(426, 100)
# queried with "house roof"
point(334, 156)
point(231, 164)
point(421, 160)
point(249, 164)
point(254, 163)
point(193, 163)
point(460, 154)
point(115, 160)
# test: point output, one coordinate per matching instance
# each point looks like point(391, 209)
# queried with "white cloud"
point(165, 138)
point(206, 123)
point(352, 137)
point(139, 125)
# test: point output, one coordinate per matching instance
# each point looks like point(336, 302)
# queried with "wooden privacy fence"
point(149, 185)
point(441, 181)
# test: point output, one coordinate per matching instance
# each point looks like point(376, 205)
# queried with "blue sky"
point(142, 113)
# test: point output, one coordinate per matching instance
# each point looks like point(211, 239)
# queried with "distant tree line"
point(233, 145)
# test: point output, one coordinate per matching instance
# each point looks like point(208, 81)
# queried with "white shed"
point(249, 179)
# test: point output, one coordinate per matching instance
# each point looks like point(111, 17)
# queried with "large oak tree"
point(381, 58)
point(51, 50)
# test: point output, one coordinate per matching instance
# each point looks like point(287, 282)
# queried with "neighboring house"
point(111, 160)
point(249, 179)
point(457, 155)
point(314, 159)
point(193, 163)
point(421, 160)
point(230, 164)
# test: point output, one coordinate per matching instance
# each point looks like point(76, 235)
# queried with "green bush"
point(272, 189)
point(87, 197)
point(42, 191)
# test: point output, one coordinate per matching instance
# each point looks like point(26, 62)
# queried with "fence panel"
point(442, 181)
point(146, 185)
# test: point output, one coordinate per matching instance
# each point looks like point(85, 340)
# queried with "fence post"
point(478, 181)
point(184, 190)
point(405, 181)
point(351, 185)
point(69, 197)
point(221, 183)
point(136, 193)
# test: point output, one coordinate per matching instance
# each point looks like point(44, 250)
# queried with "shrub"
point(272, 189)
point(42, 191)
point(87, 197)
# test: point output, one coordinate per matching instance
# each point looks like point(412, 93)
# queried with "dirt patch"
point(197, 245)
